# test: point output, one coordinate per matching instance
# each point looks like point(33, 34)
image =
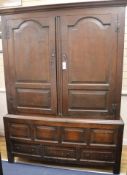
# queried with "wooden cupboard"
point(63, 70)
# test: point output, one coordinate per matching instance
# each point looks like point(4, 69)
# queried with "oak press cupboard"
point(63, 71)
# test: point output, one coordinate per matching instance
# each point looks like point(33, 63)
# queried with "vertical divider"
point(59, 63)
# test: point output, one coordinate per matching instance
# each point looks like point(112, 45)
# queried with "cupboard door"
point(89, 45)
point(32, 64)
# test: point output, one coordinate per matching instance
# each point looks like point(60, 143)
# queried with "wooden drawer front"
point(97, 155)
point(19, 131)
point(46, 133)
point(25, 148)
point(74, 135)
point(103, 136)
point(59, 153)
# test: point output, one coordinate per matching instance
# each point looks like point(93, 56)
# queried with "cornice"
point(86, 3)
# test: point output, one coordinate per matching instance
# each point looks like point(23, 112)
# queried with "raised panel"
point(83, 99)
point(40, 98)
point(46, 133)
point(59, 152)
point(20, 131)
point(35, 56)
point(97, 155)
point(25, 148)
point(74, 135)
point(85, 41)
point(105, 137)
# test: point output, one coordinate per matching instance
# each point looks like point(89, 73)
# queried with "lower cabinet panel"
point(59, 152)
point(81, 142)
point(101, 155)
point(25, 148)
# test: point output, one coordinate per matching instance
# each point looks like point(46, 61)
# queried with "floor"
point(123, 162)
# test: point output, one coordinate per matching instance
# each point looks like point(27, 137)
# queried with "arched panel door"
point(31, 47)
point(89, 46)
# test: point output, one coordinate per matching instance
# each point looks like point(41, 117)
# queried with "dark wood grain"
point(87, 87)
point(63, 72)
point(33, 68)
point(65, 140)
point(88, 84)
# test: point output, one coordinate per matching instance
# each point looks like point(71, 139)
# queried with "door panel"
point(32, 55)
point(81, 99)
point(31, 58)
point(89, 44)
